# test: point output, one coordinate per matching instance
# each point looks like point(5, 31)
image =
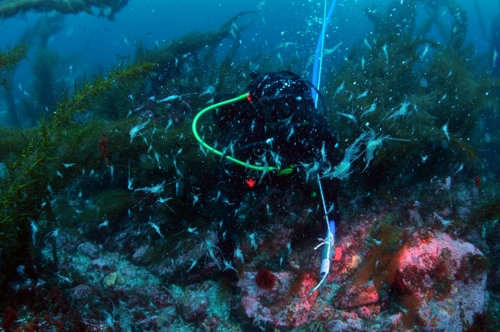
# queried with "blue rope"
point(318, 58)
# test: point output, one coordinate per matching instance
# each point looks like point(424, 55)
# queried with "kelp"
point(44, 82)
point(108, 8)
point(171, 56)
point(33, 175)
point(58, 155)
point(8, 63)
point(44, 27)
point(407, 85)
point(9, 60)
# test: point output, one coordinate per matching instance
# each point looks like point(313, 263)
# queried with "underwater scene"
point(267, 165)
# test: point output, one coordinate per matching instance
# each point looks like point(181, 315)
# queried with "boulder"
point(440, 281)
point(287, 304)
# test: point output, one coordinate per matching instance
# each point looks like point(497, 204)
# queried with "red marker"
point(338, 254)
point(250, 182)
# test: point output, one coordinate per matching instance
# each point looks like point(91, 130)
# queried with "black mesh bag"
point(279, 95)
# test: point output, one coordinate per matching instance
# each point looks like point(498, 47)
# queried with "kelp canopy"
point(107, 8)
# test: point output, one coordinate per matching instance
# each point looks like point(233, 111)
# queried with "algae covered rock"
point(193, 306)
point(441, 281)
point(287, 304)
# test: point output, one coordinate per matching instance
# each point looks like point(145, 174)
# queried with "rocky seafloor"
point(404, 261)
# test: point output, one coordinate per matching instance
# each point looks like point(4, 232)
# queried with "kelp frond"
point(84, 98)
point(31, 179)
point(9, 61)
point(108, 8)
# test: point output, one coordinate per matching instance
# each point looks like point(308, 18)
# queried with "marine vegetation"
point(8, 62)
point(193, 52)
point(44, 161)
point(33, 175)
point(107, 8)
point(40, 32)
point(421, 97)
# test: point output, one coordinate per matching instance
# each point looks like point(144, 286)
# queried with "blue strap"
point(319, 48)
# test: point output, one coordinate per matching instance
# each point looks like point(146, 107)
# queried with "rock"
point(210, 323)
point(287, 305)
point(103, 264)
point(81, 293)
point(199, 262)
point(356, 296)
point(441, 281)
point(158, 297)
point(89, 250)
point(142, 255)
point(143, 322)
point(193, 306)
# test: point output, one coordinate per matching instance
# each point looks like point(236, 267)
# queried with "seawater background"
point(98, 42)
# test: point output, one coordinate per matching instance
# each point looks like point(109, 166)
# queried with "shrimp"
point(370, 109)
point(155, 189)
point(384, 48)
point(210, 249)
point(341, 171)
point(374, 143)
point(134, 131)
point(239, 254)
point(401, 112)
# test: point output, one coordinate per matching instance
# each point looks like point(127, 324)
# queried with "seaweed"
point(9, 61)
point(108, 8)
point(405, 85)
point(44, 27)
point(174, 55)
point(378, 268)
point(32, 178)
point(488, 210)
point(44, 80)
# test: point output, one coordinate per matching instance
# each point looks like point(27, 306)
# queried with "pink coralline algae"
point(364, 312)
point(287, 305)
point(356, 296)
point(429, 274)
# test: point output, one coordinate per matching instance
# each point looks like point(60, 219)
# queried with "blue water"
point(98, 42)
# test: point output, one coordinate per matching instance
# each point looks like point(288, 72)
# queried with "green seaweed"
point(442, 86)
point(9, 61)
point(32, 177)
point(44, 80)
point(108, 8)
point(173, 55)
point(486, 211)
